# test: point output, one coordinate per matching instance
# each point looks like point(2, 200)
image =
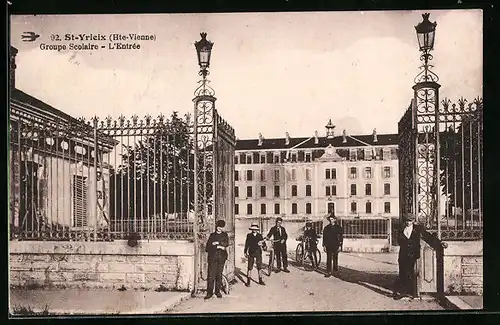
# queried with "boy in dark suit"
point(409, 253)
point(311, 240)
point(279, 234)
point(216, 248)
point(333, 237)
point(253, 252)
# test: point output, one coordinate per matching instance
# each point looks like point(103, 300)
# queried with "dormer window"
point(353, 154)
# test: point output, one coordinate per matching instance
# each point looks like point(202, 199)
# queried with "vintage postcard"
point(246, 162)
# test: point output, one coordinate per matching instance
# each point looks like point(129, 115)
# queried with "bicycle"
point(225, 286)
point(302, 247)
point(269, 247)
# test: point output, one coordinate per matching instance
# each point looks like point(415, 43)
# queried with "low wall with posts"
point(463, 268)
point(111, 265)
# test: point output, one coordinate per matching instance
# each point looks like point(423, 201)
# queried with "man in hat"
point(333, 237)
point(409, 253)
point(311, 240)
point(280, 236)
point(216, 248)
point(253, 252)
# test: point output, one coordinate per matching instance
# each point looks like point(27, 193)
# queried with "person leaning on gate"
point(333, 237)
point(311, 239)
point(253, 252)
point(279, 234)
point(216, 248)
point(409, 253)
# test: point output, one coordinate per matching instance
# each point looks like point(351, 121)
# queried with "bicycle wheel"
point(270, 264)
point(299, 254)
point(225, 285)
point(318, 256)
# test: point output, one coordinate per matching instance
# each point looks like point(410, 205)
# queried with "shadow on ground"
point(381, 283)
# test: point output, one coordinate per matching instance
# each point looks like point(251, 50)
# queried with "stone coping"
point(470, 248)
point(117, 247)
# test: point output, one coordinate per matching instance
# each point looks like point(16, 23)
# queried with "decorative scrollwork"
point(426, 74)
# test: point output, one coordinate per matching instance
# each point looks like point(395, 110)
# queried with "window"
point(236, 160)
point(249, 158)
point(328, 191)
point(276, 174)
point(308, 174)
point(294, 157)
point(387, 207)
point(327, 174)
point(368, 207)
point(353, 154)
point(262, 158)
point(308, 208)
point(276, 208)
point(294, 208)
point(308, 190)
point(294, 190)
point(263, 175)
point(249, 191)
point(368, 189)
point(276, 158)
point(308, 157)
point(331, 190)
point(334, 190)
point(249, 175)
point(387, 172)
point(262, 191)
point(353, 189)
point(368, 172)
point(354, 207)
point(368, 154)
point(236, 191)
point(294, 174)
point(263, 208)
point(353, 173)
point(387, 189)
point(334, 173)
point(243, 158)
point(277, 191)
point(236, 175)
point(236, 209)
point(386, 154)
point(331, 173)
point(256, 157)
point(249, 208)
point(79, 201)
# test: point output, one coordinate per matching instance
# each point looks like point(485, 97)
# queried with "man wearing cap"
point(311, 239)
point(409, 253)
point(216, 248)
point(333, 237)
point(279, 237)
point(253, 252)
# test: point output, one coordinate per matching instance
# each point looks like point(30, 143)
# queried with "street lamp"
point(425, 108)
point(204, 112)
point(204, 51)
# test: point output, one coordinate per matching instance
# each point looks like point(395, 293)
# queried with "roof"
point(323, 142)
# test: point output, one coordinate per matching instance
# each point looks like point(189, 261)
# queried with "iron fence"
point(373, 228)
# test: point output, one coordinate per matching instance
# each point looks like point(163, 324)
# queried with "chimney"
point(316, 139)
point(375, 135)
point(12, 72)
point(329, 129)
point(260, 139)
point(287, 138)
point(344, 135)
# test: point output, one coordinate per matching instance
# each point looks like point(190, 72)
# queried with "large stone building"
point(352, 175)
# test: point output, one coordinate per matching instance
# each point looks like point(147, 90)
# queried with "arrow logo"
point(29, 36)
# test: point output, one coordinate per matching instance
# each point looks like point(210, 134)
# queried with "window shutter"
point(79, 201)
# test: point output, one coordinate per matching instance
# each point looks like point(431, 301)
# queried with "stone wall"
point(108, 265)
point(463, 268)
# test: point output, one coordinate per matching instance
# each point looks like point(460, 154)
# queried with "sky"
point(272, 72)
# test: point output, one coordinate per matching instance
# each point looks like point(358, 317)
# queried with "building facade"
point(354, 176)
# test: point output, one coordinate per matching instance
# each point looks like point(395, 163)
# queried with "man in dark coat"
point(311, 240)
point(333, 237)
point(279, 237)
point(217, 254)
point(253, 252)
point(409, 253)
